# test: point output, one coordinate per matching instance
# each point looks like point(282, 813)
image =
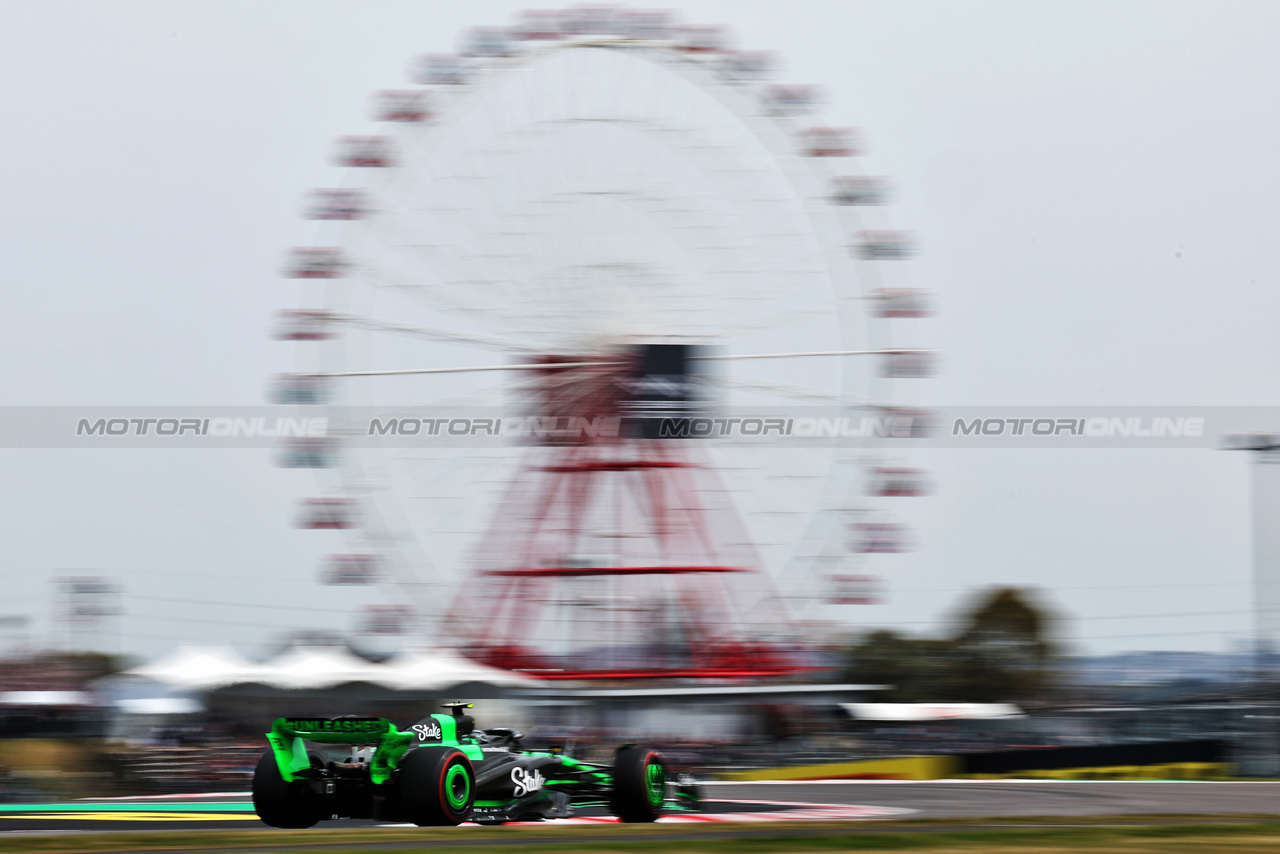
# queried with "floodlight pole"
point(1266, 582)
point(1266, 539)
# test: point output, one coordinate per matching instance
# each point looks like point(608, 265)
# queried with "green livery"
point(442, 770)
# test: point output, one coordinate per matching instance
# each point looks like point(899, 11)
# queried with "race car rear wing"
point(288, 739)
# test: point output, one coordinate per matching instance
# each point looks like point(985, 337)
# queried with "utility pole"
point(89, 606)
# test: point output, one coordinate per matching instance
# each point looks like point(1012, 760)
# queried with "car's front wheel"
point(639, 784)
point(437, 785)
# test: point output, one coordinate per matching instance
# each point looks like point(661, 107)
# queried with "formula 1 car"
point(443, 771)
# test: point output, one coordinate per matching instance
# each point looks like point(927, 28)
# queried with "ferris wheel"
point(534, 228)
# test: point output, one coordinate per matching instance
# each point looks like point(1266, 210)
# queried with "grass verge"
point(1115, 835)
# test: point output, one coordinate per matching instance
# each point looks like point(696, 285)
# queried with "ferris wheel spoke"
point(708, 159)
point(801, 354)
point(432, 333)
point(397, 372)
point(458, 294)
point(787, 319)
point(449, 265)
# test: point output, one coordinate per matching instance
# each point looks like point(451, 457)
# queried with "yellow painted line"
point(1168, 771)
point(902, 768)
point(139, 816)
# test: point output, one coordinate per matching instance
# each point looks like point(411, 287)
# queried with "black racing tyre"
point(639, 784)
point(279, 803)
point(437, 785)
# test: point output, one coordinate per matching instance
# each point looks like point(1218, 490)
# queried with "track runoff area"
point(772, 803)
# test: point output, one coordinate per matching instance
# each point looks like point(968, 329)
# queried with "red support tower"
point(615, 556)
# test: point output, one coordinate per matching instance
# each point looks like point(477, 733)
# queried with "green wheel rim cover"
point(457, 793)
point(655, 781)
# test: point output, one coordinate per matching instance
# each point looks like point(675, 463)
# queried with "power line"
point(1057, 589)
point(1166, 634)
point(241, 604)
point(1151, 616)
point(957, 621)
point(189, 619)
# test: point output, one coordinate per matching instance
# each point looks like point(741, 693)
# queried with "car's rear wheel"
point(437, 786)
point(639, 784)
point(281, 803)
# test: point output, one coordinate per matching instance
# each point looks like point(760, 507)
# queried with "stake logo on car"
point(429, 731)
point(526, 782)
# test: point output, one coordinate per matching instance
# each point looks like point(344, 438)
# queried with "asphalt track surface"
point(984, 798)
point(235, 812)
point(735, 802)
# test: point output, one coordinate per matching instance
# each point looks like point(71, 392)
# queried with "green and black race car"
point(443, 771)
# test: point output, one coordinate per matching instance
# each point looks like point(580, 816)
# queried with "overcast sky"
point(1096, 187)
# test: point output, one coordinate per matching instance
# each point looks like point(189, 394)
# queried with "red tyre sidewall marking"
point(444, 772)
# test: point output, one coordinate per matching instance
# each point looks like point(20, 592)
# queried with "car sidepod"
point(512, 786)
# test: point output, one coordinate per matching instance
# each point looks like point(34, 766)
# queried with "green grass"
point(932, 837)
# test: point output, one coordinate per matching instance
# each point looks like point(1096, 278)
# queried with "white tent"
point(316, 667)
point(311, 667)
point(427, 670)
point(196, 668)
point(45, 698)
point(931, 711)
point(159, 706)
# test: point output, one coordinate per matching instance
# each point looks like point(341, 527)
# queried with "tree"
point(1005, 649)
point(915, 667)
point(1001, 651)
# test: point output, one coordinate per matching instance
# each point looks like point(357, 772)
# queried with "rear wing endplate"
point(288, 739)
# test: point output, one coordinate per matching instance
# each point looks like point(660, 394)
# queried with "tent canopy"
point(931, 711)
point(422, 670)
point(301, 667)
point(45, 698)
point(199, 668)
point(159, 706)
point(310, 667)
